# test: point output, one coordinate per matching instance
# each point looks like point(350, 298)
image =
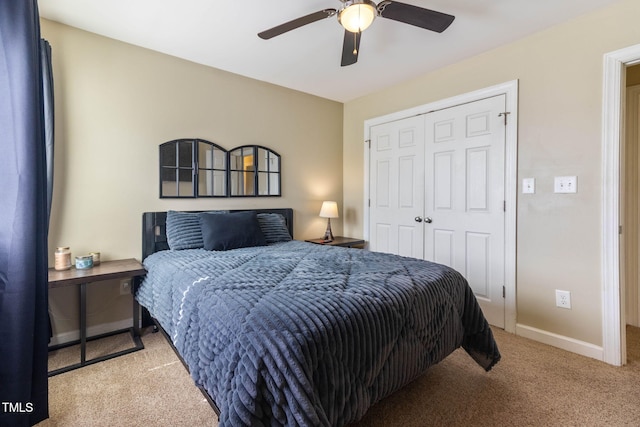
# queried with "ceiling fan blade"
point(296, 23)
point(414, 15)
point(350, 48)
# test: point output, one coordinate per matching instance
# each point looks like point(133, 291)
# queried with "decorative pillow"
point(274, 227)
point(234, 230)
point(183, 230)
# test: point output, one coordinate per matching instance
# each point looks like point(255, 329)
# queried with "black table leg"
point(83, 323)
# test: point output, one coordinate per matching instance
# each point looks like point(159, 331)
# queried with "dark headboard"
point(154, 231)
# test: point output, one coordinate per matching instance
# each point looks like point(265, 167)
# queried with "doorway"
point(630, 202)
point(630, 205)
point(613, 291)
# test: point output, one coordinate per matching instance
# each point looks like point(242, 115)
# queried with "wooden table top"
point(338, 241)
point(106, 270)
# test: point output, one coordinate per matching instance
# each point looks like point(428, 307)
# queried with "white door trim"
point(613, 319)
point(510, 89)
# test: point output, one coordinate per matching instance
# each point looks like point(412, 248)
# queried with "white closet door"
point(396, 187)
point(437, 191)
point(464, 197)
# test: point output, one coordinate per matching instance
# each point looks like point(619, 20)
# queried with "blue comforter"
point(301, 334)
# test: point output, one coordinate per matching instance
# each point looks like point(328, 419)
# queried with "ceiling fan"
point(356, 16)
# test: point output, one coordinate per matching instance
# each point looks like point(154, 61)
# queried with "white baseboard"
point(566, 343)
point(102, 328)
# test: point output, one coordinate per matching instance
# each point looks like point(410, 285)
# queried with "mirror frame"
point(252, 172)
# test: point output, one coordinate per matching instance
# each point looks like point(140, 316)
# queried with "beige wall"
point(115, 103)
point(560, 113)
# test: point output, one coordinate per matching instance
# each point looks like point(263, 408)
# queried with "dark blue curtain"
point(23, 218)
point(47, 86)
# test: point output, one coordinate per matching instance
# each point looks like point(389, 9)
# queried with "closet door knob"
point(418, 219)
point(428, 220)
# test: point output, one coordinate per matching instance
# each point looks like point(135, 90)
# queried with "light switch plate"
point(565, 184)
point(528, 185)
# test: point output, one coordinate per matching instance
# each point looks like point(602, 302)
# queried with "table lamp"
point(329, 210)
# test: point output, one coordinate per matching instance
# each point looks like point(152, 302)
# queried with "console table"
point(106, 270)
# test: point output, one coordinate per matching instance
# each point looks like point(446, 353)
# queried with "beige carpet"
point(147, 388)
point(533, 385)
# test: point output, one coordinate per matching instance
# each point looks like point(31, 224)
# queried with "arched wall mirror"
point(198, 168)
point(254, 171)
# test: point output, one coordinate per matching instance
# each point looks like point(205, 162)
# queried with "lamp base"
point(328, 235)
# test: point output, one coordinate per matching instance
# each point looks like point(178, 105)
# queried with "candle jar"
point(62, 257)
point(83, 262)
point(96, 258)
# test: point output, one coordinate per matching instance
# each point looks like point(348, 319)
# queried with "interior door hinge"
point(504, 292)
point(619, 229)
point(504, 206)
point(368, 141)
point(505, 114)
point(369, 202)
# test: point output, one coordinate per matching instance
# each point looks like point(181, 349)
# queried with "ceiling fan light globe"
point(357, 15)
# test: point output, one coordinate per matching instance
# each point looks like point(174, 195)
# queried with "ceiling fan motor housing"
point(357, 15)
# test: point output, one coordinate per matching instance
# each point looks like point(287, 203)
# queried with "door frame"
point(613, 310)
point(510, 90)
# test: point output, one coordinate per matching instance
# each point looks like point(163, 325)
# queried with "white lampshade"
point(357, 15)
point(329, 210)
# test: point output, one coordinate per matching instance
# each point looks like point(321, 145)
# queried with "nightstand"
point(106, 270)
point(346, 242)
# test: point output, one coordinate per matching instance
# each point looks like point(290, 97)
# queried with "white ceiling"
point(223, 34)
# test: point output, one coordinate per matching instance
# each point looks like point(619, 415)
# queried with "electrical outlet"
point(563, 299)
point(125, 287)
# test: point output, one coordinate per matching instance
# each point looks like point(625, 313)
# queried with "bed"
point(284, 332)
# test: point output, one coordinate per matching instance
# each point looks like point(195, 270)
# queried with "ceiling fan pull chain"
point(355, 35)
point(355, 43)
